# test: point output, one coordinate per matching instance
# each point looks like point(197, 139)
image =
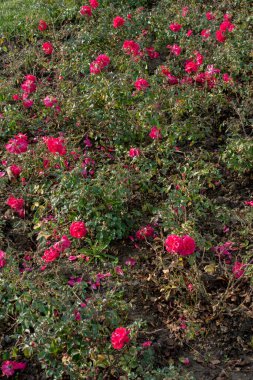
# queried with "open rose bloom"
point(120, 337)
point(78, 230)
point(182, 246)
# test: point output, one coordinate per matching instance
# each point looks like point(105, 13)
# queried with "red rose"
point(28, 103)
point(205, 34)
point(120, 337)
point(28, 86)
point(9, 367)
point(99, 64)
point(94, 4)
point(145, 232)
point(63, 244)
point(78, 230)
point(173, 243)
point(155, 133)
point(15, 203)
point(175, 49)
point(31, 77)
point(16, 170)
point(42, 25)
point(134, 152)
point(238, 270)
point(15, 97)
point(118, 21)
point(48, 48)
point(55, 145)
point(141, 84)
point(220, 36)
point(187, 247)
point(18, 144)
point(191, 67)
point(85, 10)
point(175, 27)
point(131, 48)
point(210, 16)
point(50, 255)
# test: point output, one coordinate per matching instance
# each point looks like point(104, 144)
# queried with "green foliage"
point(238, 155)
point(194, 180)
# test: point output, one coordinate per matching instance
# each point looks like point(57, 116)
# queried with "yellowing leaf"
point(210, 268)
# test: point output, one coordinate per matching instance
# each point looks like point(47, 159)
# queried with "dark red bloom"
point(183, 246)
point(210, 16)
point(56, 145)
point(9, 367)
point(187, 247)
point(155, 133)
point(145, 232)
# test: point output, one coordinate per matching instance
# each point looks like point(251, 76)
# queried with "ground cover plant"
point(126, 147)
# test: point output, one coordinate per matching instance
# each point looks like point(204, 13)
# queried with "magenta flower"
point(238, 269)
point(9, 367)
point(2, 259)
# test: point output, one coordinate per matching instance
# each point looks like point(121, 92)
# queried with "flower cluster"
point(54, 252)
point(17, 204)
point(183, 246)
point(18, 144)
point(56, 145)
point(225, 26)
point(131, 47)
point(145, 232)
point(99, 64)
